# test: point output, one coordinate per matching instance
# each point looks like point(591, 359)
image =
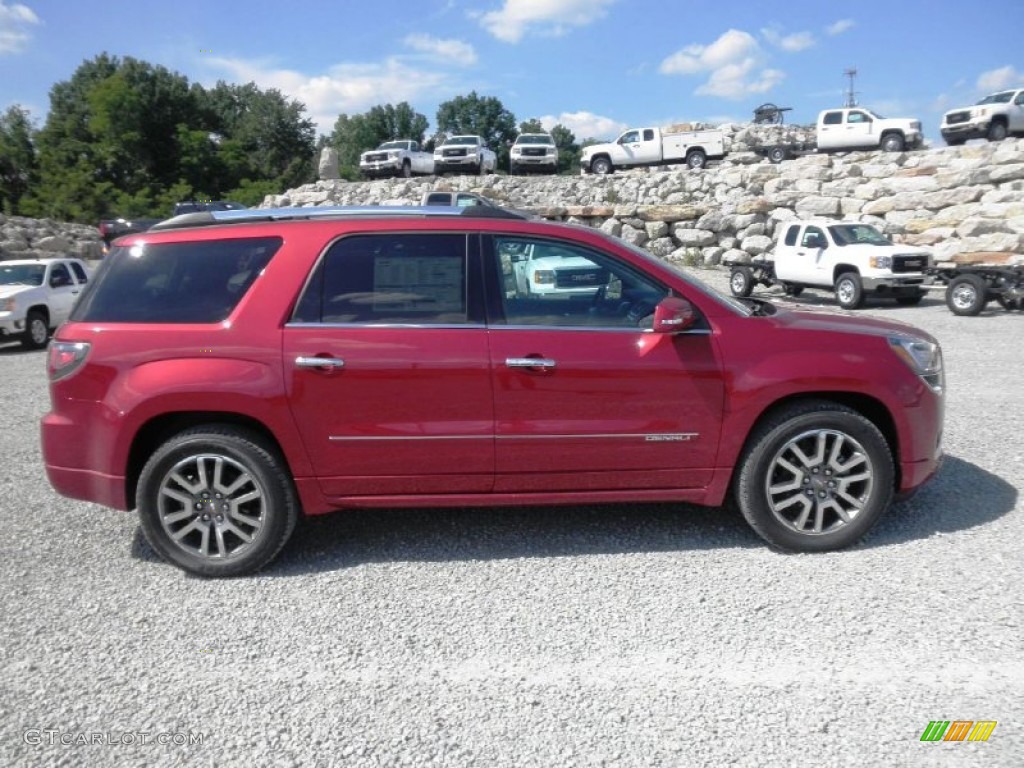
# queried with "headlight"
point(392, 155)
point(923, 357)
point(8, 305)
point(516, 151)
point(880, 262)
point(544, 277)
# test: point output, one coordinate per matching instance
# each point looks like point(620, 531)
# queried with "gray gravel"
point(624, 635)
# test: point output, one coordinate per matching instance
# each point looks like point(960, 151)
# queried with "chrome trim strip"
point(606, 328)
point(362, 438)
point(675, 437)
point(319, 362)
point(529, 362)
point(445, 326)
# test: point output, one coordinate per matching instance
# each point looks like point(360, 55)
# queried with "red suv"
point(228, 372)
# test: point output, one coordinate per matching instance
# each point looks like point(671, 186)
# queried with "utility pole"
point(851, 95)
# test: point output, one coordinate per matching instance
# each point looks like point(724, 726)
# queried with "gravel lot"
point(634, 636)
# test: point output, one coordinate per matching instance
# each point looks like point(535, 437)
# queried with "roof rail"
point(254, 215)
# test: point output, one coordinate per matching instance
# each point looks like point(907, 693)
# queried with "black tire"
point(955, 142)
point(406, 169)
point(893, 142)
point(37, 330)
point(997, 131)
point(245, 458)
point(849, 291)
point(777, 154)
point(601, 166)
point(791, 289)
point(741, 281)
point(696, 159)
point(852, 447)
point(966, 295)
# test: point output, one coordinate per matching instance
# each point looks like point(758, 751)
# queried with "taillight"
point(65, 357)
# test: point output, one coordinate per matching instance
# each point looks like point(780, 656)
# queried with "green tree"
point(18, 161)
point(484, 116)
point(568, 149)
point(531, 126)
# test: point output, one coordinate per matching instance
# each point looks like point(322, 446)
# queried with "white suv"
point(36, 296)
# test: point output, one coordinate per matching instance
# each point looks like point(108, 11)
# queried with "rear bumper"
point(61, 441)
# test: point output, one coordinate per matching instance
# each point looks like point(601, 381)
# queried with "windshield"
point(847, 234)
point(393, 145)
point(463, 141)
point(534, 139)
point(997, 98)
point(22, 274)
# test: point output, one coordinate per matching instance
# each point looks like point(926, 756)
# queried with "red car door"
point(387, 368)
point(584, 398)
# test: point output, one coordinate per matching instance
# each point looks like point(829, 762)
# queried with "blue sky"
point(597, 66)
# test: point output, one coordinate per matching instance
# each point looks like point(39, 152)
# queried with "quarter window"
point(389, 279)
point(833, 118)
point(648, 134)
point(556, 284)
point(791, 234)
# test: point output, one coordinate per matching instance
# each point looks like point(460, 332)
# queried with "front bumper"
point(381, 168)
point(885, 284)
point(534, 162)
point(975, 128)
point(11, 326)
point(457, 162)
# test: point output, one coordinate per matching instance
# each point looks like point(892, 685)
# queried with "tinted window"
point(59, 276)
point(198, 282)
point(22, 274)
point(550, 283)
point(791, 234)
point(79, 272)
point(833, 118)
point(813, 238)
point(390, 279)
point(648, 134)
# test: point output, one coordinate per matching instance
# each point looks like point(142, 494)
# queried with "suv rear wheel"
point(815, 477)
point(216, 501)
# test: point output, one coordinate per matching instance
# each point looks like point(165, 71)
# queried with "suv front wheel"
point(815, 477)
point(216, 501)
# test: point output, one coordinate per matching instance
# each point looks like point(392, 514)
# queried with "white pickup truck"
point(653, 146)
point(841, 130)
point(533, 152)
point(994, 118)
point(465, 153)
point(850, 258)
point(36, 296)
point(396, 158)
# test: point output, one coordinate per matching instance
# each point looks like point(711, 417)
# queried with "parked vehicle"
point(36, 296)
point(848, 258)
point(841, 130)
point(396, 158)
point(465, 153)
point(533, 152)
point(994, 118)
point(970, 287)
point(224, 374)
point(652, 146)
point(454, 199)
point(111, 229)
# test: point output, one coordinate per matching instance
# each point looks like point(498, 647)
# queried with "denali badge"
point(682, 437)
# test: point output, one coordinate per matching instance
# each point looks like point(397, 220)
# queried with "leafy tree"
point(484, 116)
point(568, 150)
point(531, 126)
point(17, 158)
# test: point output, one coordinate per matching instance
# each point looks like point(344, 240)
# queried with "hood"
point(6, 291)
point(597, 148)
point(799, 317)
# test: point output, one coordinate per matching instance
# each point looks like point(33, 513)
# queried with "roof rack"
point(255, 215)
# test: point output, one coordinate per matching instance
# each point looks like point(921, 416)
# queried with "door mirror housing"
point(672, 315)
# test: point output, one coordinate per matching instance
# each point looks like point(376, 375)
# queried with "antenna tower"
point(851, 95)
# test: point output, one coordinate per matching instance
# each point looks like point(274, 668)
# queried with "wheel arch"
point(840, 269)
point(42, 309)
point(161, 428)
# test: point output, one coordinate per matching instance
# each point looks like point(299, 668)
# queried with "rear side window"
point(389, 279)
point(833, 118)
point(79, 272)
point(197, 282)
point(791, 234)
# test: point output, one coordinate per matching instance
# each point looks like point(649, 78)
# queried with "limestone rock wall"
point(954, 199)
point(23, 238)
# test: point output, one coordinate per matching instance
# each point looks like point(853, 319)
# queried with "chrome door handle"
point(319, 362)
point(529, 362)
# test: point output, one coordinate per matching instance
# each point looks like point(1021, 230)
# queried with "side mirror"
point(673, 315)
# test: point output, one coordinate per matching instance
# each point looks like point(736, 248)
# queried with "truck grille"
point(909, 263)
point(534, 152)
point(584, 277)
point(454, 152)
point(957, 117)
point(377, 157)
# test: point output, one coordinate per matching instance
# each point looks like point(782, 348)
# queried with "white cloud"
point(15, 25)
point(735, 62)
point(839, 27)
point(585, 125)
point(348, 88)
point(454, 51)
point(549, 17)
point(793, 43)
point(999, 79)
